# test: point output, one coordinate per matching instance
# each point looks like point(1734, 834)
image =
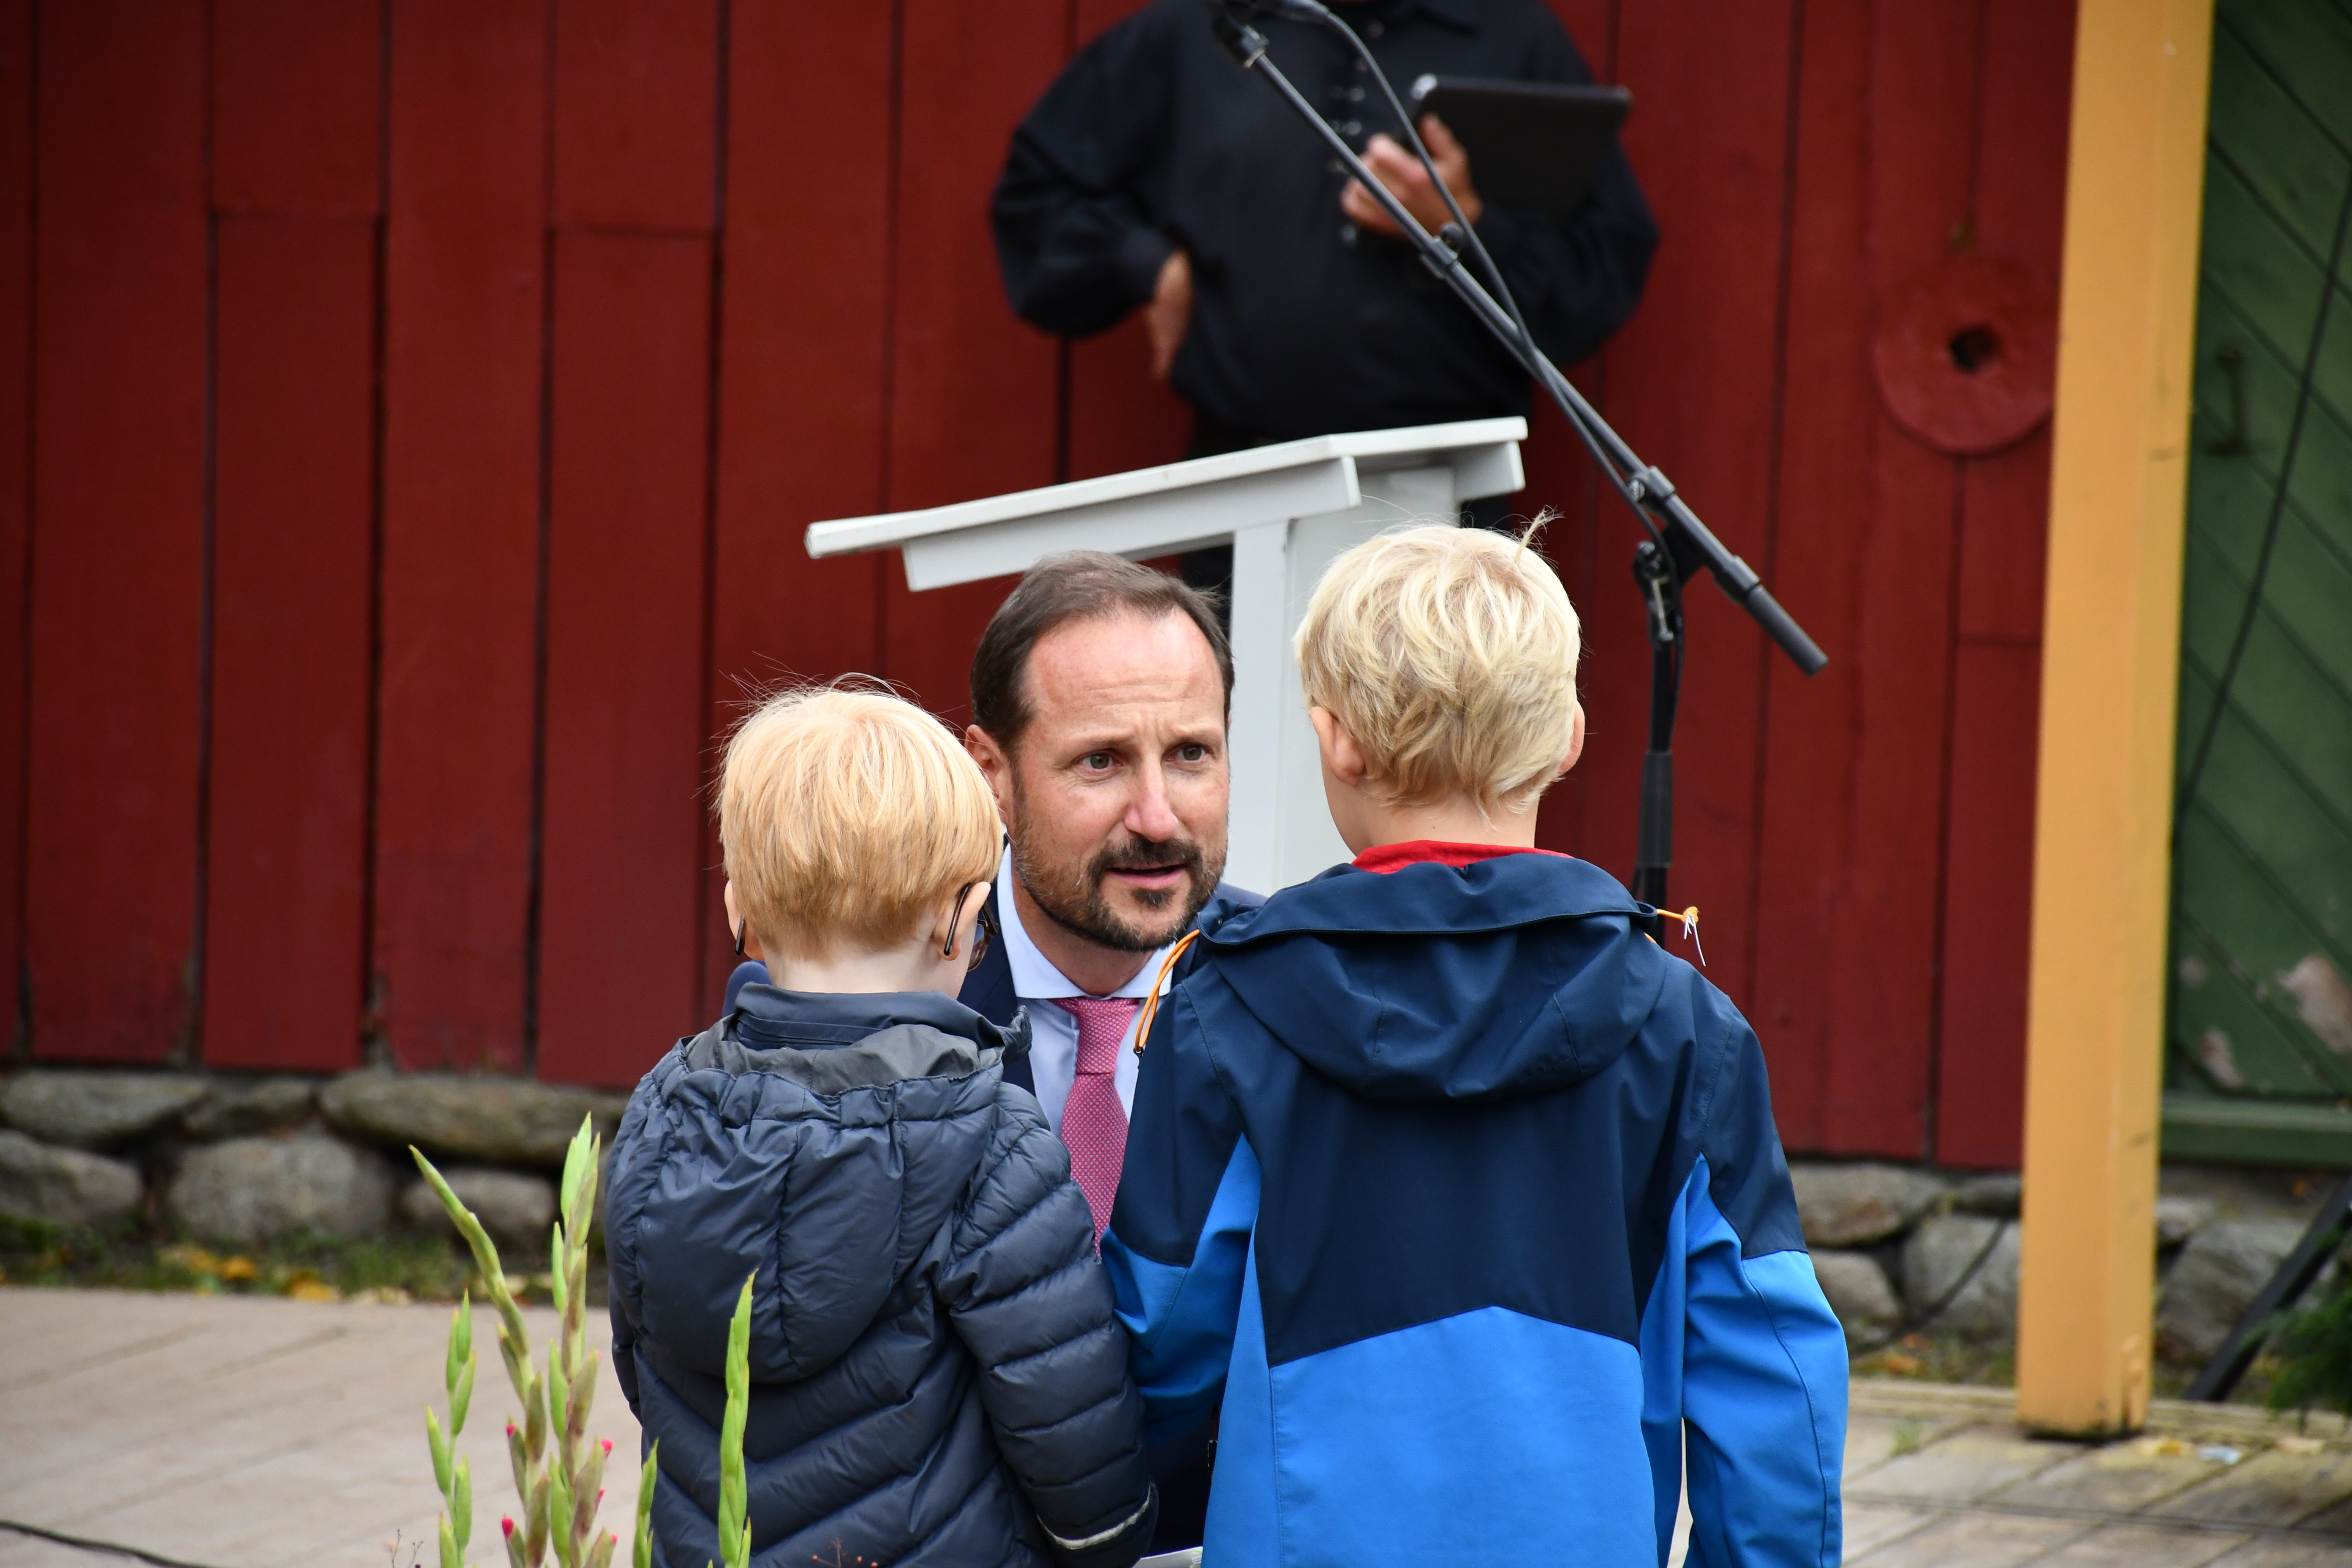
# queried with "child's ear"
point(1343, 755)
point(1575, 742)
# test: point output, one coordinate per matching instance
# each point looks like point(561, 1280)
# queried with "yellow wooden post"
point(2110, 668)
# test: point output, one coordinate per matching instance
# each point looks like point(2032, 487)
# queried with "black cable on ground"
point(84, 1544)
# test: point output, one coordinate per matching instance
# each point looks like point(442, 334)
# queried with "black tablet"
point(1531, 143)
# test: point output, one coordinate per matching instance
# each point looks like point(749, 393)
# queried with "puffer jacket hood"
point(1362, 975)
point(936, 1372)
point(861, 1211)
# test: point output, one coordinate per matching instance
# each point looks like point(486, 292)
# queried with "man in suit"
point(1099, 695)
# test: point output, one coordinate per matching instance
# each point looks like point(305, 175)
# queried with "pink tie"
point(1093, 1124)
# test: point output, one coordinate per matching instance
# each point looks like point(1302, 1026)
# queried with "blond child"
point(1458, 1195)
point(935, 1375)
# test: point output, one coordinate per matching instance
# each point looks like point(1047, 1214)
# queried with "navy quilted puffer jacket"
point(937, 1374)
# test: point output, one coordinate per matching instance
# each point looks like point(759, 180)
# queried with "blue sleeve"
point(1178, 1240)
point(1743, 1364)
point(1181, 1317)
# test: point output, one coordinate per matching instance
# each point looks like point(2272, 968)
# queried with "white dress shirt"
point(1053, 1032)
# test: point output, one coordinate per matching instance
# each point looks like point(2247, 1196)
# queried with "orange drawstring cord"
point(1151, 1001)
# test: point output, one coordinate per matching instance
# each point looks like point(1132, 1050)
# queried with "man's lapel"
point(988, 990)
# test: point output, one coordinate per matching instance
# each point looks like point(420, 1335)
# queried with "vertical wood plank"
point(636, 82)
point(295, 492)
point(297, 106)
point(623, 823)
point(463, 290)
point(296, 114)
point(1856, 756)
point(972, 387)
point(804, 373)
point(622, 826)
point(118, 530)
point(2004, 530)
point(1692, 386)
point(1980, 1070)
point(1830, 415)
point(15, 485)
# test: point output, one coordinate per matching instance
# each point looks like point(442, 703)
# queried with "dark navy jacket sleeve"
point(1025, 1292)
point(1743, 1364)
point(1077, 246)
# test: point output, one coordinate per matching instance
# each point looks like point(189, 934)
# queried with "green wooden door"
point(2259, 1048)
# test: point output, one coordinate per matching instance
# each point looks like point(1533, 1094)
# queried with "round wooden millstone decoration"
point(1968, 355)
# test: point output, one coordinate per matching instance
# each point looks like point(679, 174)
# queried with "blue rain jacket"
point(1461, 1199)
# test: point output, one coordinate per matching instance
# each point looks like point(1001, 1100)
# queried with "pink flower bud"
point(507, 1525)
point(608, 1448)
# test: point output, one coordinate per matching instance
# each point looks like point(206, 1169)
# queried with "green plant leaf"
point(576, 1166)
point(461, 1503)
point(733, 1523)
point(461, 1399)
point(642, 1551)
point(440, 1447)
point(449, 1557)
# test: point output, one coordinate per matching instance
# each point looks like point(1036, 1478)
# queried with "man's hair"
point(1450, 654)
point(846, 817)
point(1076, 586)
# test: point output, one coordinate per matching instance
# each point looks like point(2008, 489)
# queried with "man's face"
point(1115, 794)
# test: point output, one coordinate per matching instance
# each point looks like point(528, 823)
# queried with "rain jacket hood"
point(1435, 983)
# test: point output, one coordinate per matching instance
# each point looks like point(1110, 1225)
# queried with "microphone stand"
point(1678, 543)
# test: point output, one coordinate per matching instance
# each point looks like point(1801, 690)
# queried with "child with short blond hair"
point(1454, 1192)
point(935, 1374)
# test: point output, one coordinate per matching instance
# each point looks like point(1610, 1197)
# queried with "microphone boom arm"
point(1673, 526)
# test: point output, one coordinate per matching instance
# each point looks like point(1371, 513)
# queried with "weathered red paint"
point(114, 821)
point(774, 300)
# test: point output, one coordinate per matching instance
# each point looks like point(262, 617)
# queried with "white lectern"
point(1287, 510)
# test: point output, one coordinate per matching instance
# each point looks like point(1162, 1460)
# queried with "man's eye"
point(1096, 761)
point(1195, 753)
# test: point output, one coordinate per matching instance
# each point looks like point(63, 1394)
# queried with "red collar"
point(1397, 856)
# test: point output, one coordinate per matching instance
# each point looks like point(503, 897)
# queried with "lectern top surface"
point(1366, 447)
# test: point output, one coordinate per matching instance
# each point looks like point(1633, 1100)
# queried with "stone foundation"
point(240, 1161)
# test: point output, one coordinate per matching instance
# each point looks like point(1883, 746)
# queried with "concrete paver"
point(2267, 1489)
point(1986, 1541)
point(243, 1433)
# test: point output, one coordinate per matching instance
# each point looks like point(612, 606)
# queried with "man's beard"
point(1075, 901)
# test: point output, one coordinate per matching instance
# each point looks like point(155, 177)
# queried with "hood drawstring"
point(1159, 983)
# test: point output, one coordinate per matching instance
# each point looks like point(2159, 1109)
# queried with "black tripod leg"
point(2293, 1278)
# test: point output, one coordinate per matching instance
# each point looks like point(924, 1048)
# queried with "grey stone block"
point(2221, 1269)
point(240, 1108)
point(492, 1120)
point(251, 1190)
point(1859, 1292)
point(65, 1186)
point(512, 1205)
point(91, 1109)
point(1998, 1195)
point(1968, 1263)
point(2179, 1218)
point(1853, 1206)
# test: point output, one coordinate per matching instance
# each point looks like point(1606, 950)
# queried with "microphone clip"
point(1243, 42)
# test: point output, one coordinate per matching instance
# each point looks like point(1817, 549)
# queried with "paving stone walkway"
point(243, 1433)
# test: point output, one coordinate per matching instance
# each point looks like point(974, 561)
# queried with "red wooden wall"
point(409, 410)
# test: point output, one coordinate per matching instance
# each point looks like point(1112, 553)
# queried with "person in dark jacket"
point(1456, 1192)
point(937, 1376)
point(1155, 173)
